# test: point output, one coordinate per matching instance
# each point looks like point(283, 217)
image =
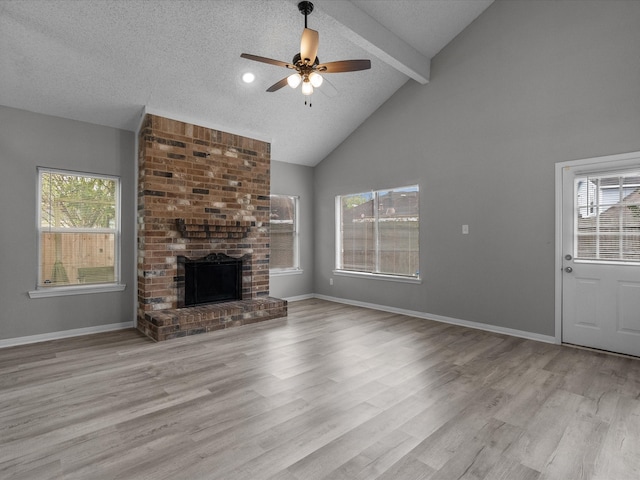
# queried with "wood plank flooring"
point(331, 392)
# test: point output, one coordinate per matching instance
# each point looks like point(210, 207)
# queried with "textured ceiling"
point(106, 61)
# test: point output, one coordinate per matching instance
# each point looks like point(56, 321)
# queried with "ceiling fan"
point(306, 64)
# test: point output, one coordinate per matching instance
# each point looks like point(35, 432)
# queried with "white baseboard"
point(10, 342)
point(439, 318)
point(300, 297)
point(76, 332)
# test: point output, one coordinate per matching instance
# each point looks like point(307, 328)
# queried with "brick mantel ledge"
point(214, 228)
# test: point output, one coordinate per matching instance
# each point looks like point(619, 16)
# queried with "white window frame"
point(598, 189)
point(295, 269)
point(338, 270)
point(55, 291)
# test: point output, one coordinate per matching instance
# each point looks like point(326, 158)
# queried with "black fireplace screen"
point(214, 278)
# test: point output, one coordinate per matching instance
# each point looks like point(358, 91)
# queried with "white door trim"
point(616, 161)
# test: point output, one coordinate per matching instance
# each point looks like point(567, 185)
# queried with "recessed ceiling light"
point(248, 77)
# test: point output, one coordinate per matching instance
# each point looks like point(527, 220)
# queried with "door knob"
point(568, 269)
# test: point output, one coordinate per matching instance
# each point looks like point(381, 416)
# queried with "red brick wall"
point(219, 185)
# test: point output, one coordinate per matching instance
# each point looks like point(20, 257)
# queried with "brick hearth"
point(174, 323)
point(201, 191)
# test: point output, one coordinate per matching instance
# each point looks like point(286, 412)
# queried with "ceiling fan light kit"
point(306, 62)
point(307, 88)
point(294, 80)
point(315, 79)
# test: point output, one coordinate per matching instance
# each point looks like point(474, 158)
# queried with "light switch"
point(465, 229)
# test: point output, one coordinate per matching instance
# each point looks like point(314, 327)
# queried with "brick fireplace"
point(201, 192)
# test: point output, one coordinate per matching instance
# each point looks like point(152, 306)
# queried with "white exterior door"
point(601, 255)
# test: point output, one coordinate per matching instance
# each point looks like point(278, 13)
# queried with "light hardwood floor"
point(333, 392)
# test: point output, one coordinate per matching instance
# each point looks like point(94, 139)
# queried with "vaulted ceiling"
point(106, 61)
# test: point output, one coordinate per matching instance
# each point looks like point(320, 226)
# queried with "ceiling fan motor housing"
point(297, 60)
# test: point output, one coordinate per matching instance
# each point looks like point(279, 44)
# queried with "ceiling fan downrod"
point(305, 8)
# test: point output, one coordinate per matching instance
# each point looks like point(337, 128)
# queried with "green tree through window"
point(78, 228)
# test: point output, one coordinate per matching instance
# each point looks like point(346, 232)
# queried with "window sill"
point(378, 276)
point(279, 273)
point(76, 290)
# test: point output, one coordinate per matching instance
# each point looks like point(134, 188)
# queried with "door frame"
point(614, 162)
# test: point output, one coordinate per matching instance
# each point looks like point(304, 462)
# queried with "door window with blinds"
point(378, 232)
point(284, 255)
point(607, 218)
point(78, 228)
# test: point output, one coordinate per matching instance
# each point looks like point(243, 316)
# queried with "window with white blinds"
point(378, 232)
point(607, 218)
point(78, 228)
point(284, 245)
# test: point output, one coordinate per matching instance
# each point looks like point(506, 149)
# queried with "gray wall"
point(29, 140)
point(528, 84)
point(290, 179)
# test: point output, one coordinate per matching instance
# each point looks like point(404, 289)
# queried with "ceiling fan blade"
point(270, 61)
point(309, 45)
point(342, 66)
point(278, 85)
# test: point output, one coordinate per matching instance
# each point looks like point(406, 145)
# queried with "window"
point(78, 229)
point(607, 217)
point(284, 255)
point(377, 232)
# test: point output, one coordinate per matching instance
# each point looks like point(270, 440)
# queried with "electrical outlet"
point(465, 229)
point(331, 281)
